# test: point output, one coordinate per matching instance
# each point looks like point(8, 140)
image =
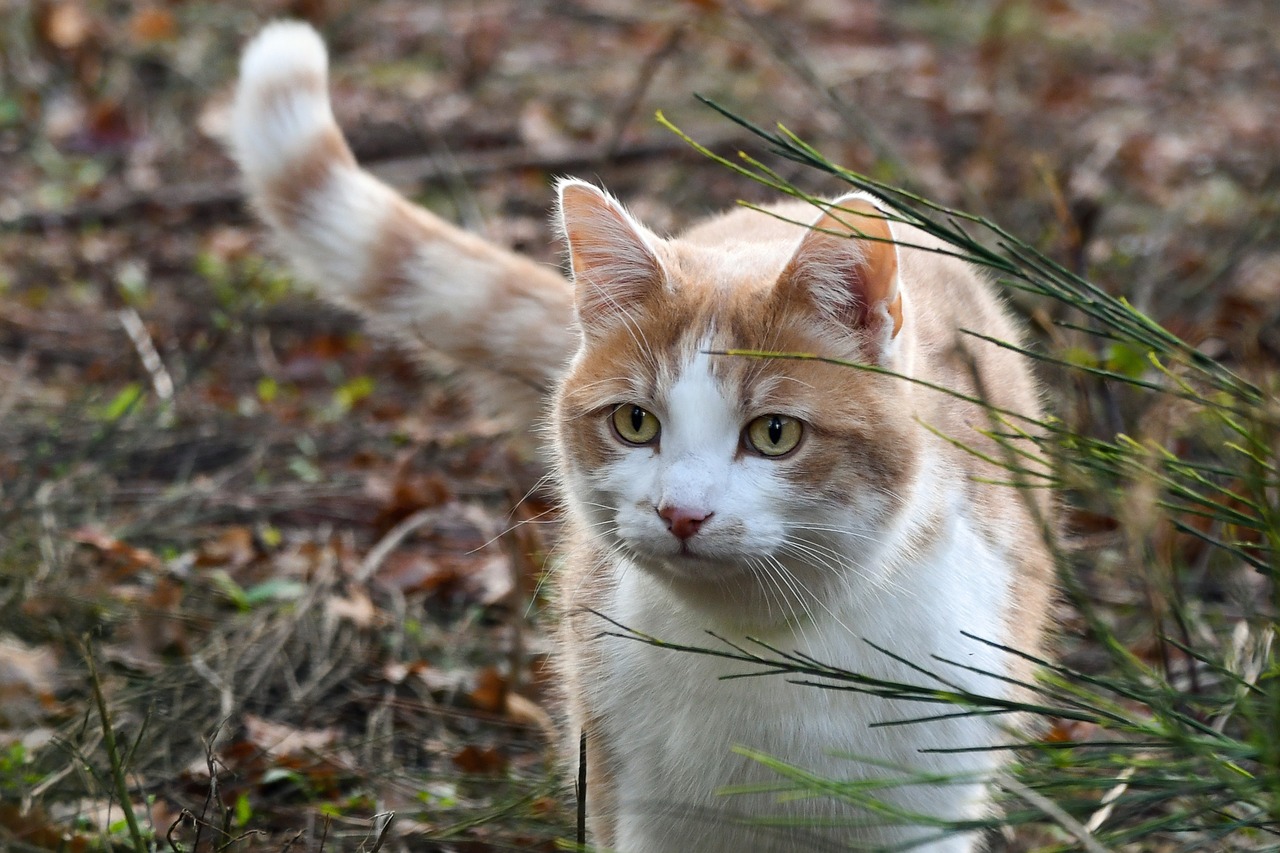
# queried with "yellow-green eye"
point(774, 435)
point(635, 425)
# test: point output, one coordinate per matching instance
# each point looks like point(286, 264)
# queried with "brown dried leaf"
point(405, 493)
point(409, 572)
point(526, 712)
point(482, 45)
point(34, 828)
point(480, 762)
point(490, 692)
point(395, 672)
point(229, 243)
point(163, 631)
point(1068, 731)
point(279, 739)
point(152, 25)
point(241, 755)
point(490, 581)
point(355, 607)
point(26, 681)
point(125, 556)
point(108, 125)
point(233, 548)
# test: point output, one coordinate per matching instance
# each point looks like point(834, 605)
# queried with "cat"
point(807, 504)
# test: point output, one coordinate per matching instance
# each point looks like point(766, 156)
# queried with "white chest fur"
point(673, 721)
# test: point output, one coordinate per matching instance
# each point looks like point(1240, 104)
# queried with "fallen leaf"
point(405, 493)
point(355, 607)
point(126, 556)
point(152, 25)
point(34, 828)
point(491, 580)
point(160, 634)
point(279, 739)
point(408, 572)
point(526, 712)
point(26, 681)
point(232, 547)
point(490, 692)
point(480, 762)
point(108, 126)
point(395, 672)
point(229, 243)
point(1068, 731)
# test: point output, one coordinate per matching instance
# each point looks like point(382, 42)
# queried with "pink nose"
point(683, 522)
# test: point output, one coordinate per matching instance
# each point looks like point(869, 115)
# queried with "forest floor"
point(298, 566)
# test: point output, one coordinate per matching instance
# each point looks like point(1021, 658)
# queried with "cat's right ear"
point(614, 264)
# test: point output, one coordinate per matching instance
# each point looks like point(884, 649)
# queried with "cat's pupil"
point(775, 429)
point(637, 418)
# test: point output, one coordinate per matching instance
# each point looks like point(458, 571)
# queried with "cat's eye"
point(773, 435)
point(635, 425)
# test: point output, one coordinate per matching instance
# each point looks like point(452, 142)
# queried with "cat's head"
point(723, 472)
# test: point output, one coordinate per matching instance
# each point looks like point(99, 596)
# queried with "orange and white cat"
point(809, 505)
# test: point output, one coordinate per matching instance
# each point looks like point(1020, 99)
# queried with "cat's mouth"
point(689, 563)
point(698, 559)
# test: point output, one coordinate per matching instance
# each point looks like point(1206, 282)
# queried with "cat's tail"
point(365, 246)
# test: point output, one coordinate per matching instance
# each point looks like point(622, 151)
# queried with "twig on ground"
point(226, 699)
point(177, 822)
point(378, 553)
point(404, 172)
point(161, 381)
point(626, 111)
point(214, 794)
point(1108, 802)
point(49, 561)
point(382, 825)
point(1053, 810)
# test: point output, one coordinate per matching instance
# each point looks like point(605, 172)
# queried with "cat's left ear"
point(614, 264)
point(847, 267)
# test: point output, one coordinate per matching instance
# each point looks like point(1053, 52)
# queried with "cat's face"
point(716, 471)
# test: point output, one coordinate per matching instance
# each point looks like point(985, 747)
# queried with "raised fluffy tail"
point(365, 246)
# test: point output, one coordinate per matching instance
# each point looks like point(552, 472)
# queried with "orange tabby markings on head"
point(806, 504)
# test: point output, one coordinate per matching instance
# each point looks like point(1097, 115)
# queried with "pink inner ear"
point(841, 272)
point(614, 267)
